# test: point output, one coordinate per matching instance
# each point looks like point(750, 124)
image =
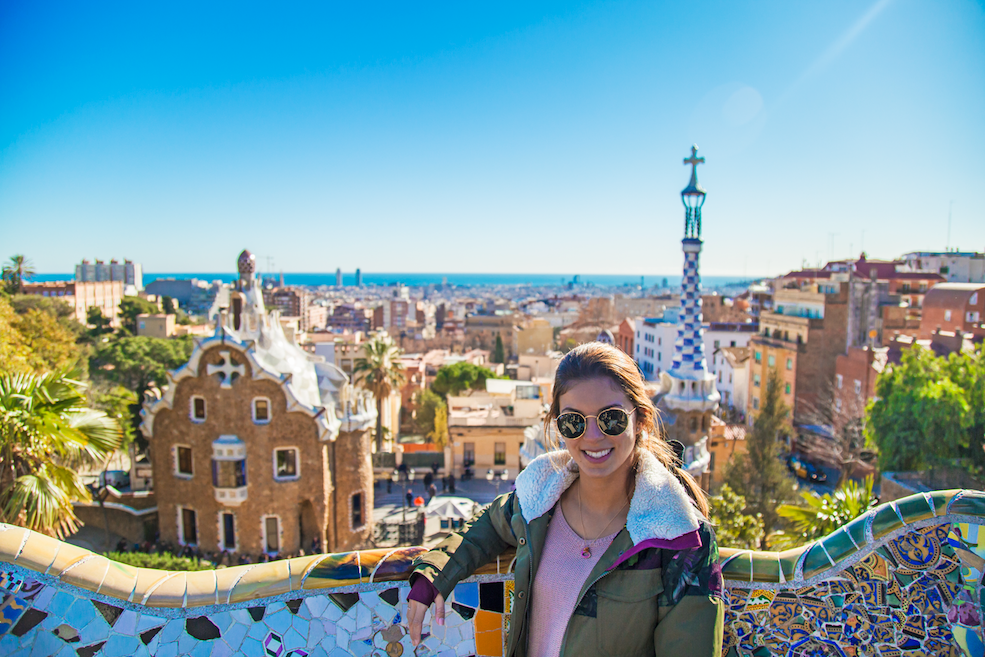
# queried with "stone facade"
point(257, 446)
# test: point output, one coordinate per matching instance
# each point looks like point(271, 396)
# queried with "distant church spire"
point(688, 385)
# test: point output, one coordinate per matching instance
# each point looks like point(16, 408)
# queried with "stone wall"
point(229, 411)
point(904, 579)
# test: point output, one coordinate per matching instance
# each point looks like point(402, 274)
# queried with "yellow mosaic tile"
point(10, 541)
point(66, 556)
point(169, 592)
point(226, 579)
point(38, 552)
point(298, 567)
point(119, 580)
point(265, 580)
point(200, 588)
point(147, 579)
point(86, 572)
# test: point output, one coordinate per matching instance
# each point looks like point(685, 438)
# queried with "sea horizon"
point(432, 278)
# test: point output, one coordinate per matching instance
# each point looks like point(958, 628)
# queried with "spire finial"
point(694, 160)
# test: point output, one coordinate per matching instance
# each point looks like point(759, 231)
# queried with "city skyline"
point(491, 142)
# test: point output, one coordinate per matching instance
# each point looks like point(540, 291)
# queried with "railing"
point(904, 578)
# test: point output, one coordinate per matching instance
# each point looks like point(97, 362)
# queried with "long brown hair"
point(598, 359)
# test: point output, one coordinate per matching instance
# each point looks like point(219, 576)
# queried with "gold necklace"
point(586, 551)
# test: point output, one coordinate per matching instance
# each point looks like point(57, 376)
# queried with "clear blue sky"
point(512, 137)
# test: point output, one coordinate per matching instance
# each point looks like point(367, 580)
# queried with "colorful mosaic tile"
point(914, 590)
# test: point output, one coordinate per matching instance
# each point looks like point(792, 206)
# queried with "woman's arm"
point(692, 611)
point(457, 557)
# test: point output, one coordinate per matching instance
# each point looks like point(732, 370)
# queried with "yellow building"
point(486, 429)
point(535, 337)
point(156, 325)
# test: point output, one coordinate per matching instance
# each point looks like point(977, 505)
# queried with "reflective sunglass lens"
point(613, 421)
point(570, 425)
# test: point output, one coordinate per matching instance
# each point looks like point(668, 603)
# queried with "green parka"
point(657, 590)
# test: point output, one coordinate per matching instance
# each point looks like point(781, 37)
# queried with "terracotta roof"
point(951, 295)
point(734, 355)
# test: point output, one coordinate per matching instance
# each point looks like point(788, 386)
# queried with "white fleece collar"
point(660, 508)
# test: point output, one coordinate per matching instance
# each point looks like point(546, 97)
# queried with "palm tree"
point(15, 272)
point(823, 514)
point(47, 434)
point(379, 371)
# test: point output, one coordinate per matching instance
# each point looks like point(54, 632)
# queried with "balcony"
point(902, 579)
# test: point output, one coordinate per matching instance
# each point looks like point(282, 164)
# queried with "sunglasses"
point(612, 422)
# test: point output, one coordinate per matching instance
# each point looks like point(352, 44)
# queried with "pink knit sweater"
point(561, 574)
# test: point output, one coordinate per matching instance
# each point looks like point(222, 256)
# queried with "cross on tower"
point(694, 160)
point(226, 370)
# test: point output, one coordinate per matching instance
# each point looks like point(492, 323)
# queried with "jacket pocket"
point(627, 611)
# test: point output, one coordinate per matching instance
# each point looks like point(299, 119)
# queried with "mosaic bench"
point(902, 580)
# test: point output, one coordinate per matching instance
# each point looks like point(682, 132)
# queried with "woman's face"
point(597, 454)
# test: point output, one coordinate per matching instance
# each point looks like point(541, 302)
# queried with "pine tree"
point(759, 474)
point(499, 353)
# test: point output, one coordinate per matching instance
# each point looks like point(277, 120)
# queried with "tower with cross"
point(687, 390)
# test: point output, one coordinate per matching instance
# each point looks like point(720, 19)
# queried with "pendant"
point(586, 552)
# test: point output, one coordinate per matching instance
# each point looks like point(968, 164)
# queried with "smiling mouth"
point(602, 453)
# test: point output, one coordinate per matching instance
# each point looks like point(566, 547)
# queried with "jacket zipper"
point(564, 641)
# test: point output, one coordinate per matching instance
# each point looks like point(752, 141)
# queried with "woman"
point(613, 552)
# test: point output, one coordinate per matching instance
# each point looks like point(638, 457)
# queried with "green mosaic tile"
point(788, 562)
point(765, 567)
point(856, 528)
point(941, 499)
point(970, 504)
point(914, 508)
point(885, 521)
point(815, 562)
point(839, 545)
point(738, 568)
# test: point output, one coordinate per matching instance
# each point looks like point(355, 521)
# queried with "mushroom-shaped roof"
point(605, 335)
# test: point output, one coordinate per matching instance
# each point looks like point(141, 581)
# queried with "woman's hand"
point(415, 617)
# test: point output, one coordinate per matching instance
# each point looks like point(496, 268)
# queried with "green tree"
point(499, 353)
point(758, 474)
point(167, 305)
point(41, 334)
point(455, 378)
point(130, 307)
point(15, 272)
point(380, 372)
point(928, 411)
point(47, 434)
point(820, 515)
point(14, 353)
point(135, 362)
point(431, 417)
point(733, 527)
point(98, 325)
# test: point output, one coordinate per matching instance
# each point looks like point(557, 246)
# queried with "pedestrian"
point(451, 483)
point(444, 484)
point(389, 486)
point(428, 480)
point(410, 497)
point(432, 492)
point(612, 501)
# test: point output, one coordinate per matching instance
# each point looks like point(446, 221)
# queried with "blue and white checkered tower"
point(688, 385)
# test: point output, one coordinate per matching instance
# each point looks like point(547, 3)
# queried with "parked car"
point(805, 469)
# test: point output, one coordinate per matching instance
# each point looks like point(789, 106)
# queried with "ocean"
point(420, 279)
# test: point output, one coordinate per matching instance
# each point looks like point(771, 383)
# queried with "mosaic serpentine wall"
point(905, 579)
